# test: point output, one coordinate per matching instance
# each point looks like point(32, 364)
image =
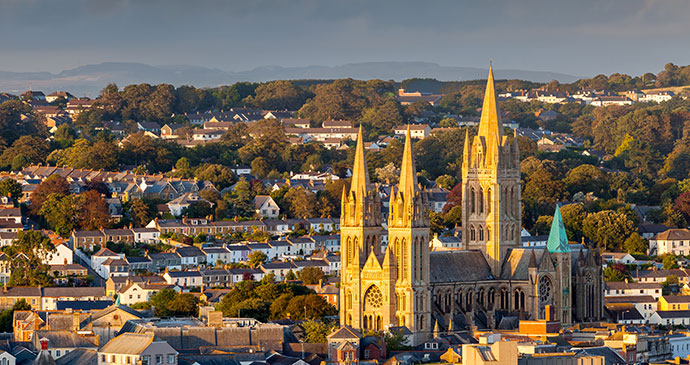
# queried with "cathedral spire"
point(360, 175)
point(408, 174)
point(558, 239)
point(490, 126)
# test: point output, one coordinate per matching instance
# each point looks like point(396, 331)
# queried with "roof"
point(61, 339)
point(673, 234)
point(677, 298)
point(57, 292)
point(183, 274)
point(630, 299)
point(106, 252)
point(621, 285)
point(128, 343)
point(558, 239)
point(84, 305)
point(674, 314)
point(79, 356)
point(453, 266)
point(345, 332)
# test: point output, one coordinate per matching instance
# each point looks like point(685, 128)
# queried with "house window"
point(57, 353)
point(159, 359)
point(146, 360)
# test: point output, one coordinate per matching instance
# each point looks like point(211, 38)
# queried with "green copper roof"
point(558, 239)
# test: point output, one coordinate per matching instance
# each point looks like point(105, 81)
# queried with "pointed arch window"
point(481, 200)
point(473, 199)
point(473, 234)
point(488, 201)
point(481, 233)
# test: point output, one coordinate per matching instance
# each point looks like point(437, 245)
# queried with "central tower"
point(491, 215)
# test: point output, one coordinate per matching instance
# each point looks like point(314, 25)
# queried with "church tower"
point(559, 248)
point(491, 214)
point(360, 239)
point(408, 241)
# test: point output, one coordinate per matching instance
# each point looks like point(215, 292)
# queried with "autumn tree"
point(301, 202)
point(311, 275)
point(140, 213)
point(54, 184)
point(256, 258)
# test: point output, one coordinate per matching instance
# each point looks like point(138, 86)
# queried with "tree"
point(30, 269)
point(396, 340)
point(60, 212)
point(11, 188)
point(65, 133)
point(573, 215)
point(256, 258)
point(301, 203)
point(33, 149)
point(278, 95)
point(543, 225)
point(92, 211)
point(290, 276)
point(670, 262)
point(54, 184)
point(310, 306)
point(140, 213)
point(221, 176)
point(315, 331)
point(388, 174)
point(161, 300)
point(612, 274)
point(184, 304)
point(446, 181)
point(635, 244)
point(7, 316)
point(608, 228)
point(311, 275)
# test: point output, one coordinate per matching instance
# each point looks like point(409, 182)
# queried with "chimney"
point(76, 321)
point(44, 343)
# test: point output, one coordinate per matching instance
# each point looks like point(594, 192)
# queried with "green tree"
point(278, 95)
point(256, 258)
point(670, 262)
point(184, 304)
point(7, 316)
point(301, 203)
point(311, 275)
point(635, 244)
point(611, 274)
point(29, 270)
point(608, 228)
point(221, 176)
point(310, 306)
point(316, 331)
point(54, 184)
point(10, 187)
point(161, 300)
point(65, 133)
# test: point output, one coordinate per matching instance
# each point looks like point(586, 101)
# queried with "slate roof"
point(345, 332)
point(62, 339)
point(84, 305)
point(57, 292)
point(79, 356)
point(453, 266)
point(673, 234)
point(128, 343)
point(674, 314)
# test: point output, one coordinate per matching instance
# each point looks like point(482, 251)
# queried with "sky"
point(579, 37)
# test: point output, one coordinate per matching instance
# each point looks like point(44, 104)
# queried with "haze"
point(574, 37)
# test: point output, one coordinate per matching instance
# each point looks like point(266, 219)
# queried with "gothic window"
point(488, 233)
point(468, 300)
point(490, 299)
point(373, 299)
point(518, 300)
point(488, 201)
point(481, 233)
point(504, 299)
point(481, 200)
point(473, 199)
point(480, 297)
point(545, 292)
point(349, 255)
point(473, 234)
point(348, 300)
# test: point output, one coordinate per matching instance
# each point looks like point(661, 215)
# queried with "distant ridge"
point(90, 79)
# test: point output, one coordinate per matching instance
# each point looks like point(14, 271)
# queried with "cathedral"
point(491, 282)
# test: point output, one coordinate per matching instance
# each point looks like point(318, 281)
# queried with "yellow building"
point(491, 277)
point(673, 303)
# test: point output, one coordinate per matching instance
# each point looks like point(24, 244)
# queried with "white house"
point(137, 348)
point(146, 235)
point(680, 345)
point(238, 253)
point(136, 292)
point(439, 243)
point(658, 96)
point(63, 255)
point(178, 204)
point(102, 256)
point(674, 318)
point(621, 288)
point(215, 254)
point(417, 131)
point(266, 207)
point(183, 278)
point(674, 240)
point(281, 248)
point(618, 257)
